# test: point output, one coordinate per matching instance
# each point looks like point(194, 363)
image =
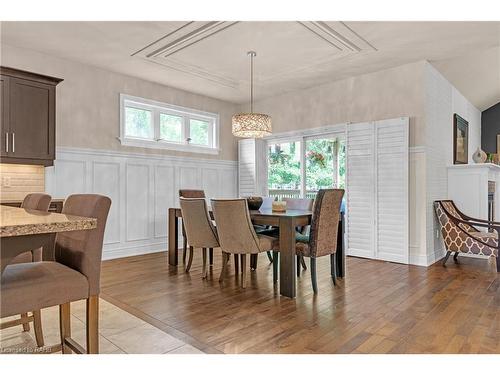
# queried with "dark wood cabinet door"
point(4, 114)
point(32, 119)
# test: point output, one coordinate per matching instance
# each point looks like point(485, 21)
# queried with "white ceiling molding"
point(333, 39)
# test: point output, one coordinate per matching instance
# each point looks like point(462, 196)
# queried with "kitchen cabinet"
point(28, 112)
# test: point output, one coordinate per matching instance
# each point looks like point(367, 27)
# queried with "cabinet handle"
point(13, 142)
point(7, 142)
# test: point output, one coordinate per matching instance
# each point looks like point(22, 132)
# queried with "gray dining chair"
point(236, 233)
point(322, 237)
point(200, 232)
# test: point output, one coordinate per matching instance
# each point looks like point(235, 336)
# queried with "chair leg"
point(93, 325)
point(303, 262)
point(37, 326)
point(333, 268)
point(190, 259)
point(184, 249)
point(269, 256)
point(253, 261)
point(446, 258)
point(276, 263)
point(455, 257)
point(298, 265)
point(65, 326)
point(236, 264)
point(211, 256)
point(313, 276)
point(204, 270)
point(244, 270)
point(225, 259)
point(26, 326)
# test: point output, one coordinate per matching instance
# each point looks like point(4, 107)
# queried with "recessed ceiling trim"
point(338, 36)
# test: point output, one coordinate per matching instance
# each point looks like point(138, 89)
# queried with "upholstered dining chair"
point(267, 204)
point(73, 275)
point(192, 193)
point(236, 233)
point(322, 237)
point(39, 202)
point(200, 231)
point(460, 234)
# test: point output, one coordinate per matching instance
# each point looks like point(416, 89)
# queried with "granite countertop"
point(20, 222)
point(13, 201)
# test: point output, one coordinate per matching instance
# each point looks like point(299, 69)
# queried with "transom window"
point(147, 123)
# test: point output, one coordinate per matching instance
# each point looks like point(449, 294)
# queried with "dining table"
point(24, 230)
point(287, 222)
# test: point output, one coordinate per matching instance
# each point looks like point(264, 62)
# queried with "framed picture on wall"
point(460, 140)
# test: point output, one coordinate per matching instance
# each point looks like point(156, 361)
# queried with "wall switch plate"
point(5, 181)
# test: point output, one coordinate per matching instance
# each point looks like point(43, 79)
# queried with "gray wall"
point(490, 127)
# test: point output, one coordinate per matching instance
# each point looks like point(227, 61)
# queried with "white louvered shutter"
point(392, 142)
point(252, 167)
point(360, 185)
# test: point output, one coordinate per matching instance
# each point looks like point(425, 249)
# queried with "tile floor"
point(120, 333)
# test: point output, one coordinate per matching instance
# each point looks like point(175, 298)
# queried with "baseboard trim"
point(123, 252)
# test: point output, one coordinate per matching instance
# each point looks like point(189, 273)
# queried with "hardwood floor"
point(379, 308)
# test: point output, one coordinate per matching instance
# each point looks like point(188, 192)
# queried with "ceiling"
point(210, 58)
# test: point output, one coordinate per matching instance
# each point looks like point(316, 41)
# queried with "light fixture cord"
point(251, 82)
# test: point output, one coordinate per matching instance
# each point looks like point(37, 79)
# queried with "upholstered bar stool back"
point(82, 250)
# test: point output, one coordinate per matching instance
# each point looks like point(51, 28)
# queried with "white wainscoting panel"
point(141, 187)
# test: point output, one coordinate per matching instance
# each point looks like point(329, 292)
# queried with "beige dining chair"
point(322, 237)
point(74, 275)
point(192, 193)
point(39, 202)
point(200, 231)
point(267, 204)
point(236, 233)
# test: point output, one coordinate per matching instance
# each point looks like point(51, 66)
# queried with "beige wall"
point(17, 180)
point(88, 103)
point(376, 96)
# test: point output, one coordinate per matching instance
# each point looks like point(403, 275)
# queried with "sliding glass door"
point(284, 169)
point(299, 167)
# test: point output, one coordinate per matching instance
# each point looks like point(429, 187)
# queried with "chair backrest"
point(234, 226)
point(325, 222)
point(191, 193)
point(452, 210)
point(199, 228)
point(299, 203)
point(37, 201)
point(82, 250)
point(267, 202)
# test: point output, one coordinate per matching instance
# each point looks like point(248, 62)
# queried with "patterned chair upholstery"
point(460, 233)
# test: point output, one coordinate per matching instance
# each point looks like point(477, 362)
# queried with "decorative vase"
point(479, 156)
point(254, 203)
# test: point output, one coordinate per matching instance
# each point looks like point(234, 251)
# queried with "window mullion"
point(186, 128)
point(156, 124)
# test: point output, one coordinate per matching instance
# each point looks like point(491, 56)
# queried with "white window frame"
point(302, 136)
point(158, 108)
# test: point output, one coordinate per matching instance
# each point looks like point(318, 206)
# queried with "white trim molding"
point(142, 187)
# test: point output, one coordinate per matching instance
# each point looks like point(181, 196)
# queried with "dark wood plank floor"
point(379, 308)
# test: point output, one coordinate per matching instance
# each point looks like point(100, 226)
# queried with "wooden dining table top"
point(21, 222)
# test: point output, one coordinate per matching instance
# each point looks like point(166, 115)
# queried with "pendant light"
point(251, 125)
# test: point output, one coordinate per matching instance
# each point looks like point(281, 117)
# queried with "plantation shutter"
point(252, 167)
point(392, 142)
point(360, 185)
